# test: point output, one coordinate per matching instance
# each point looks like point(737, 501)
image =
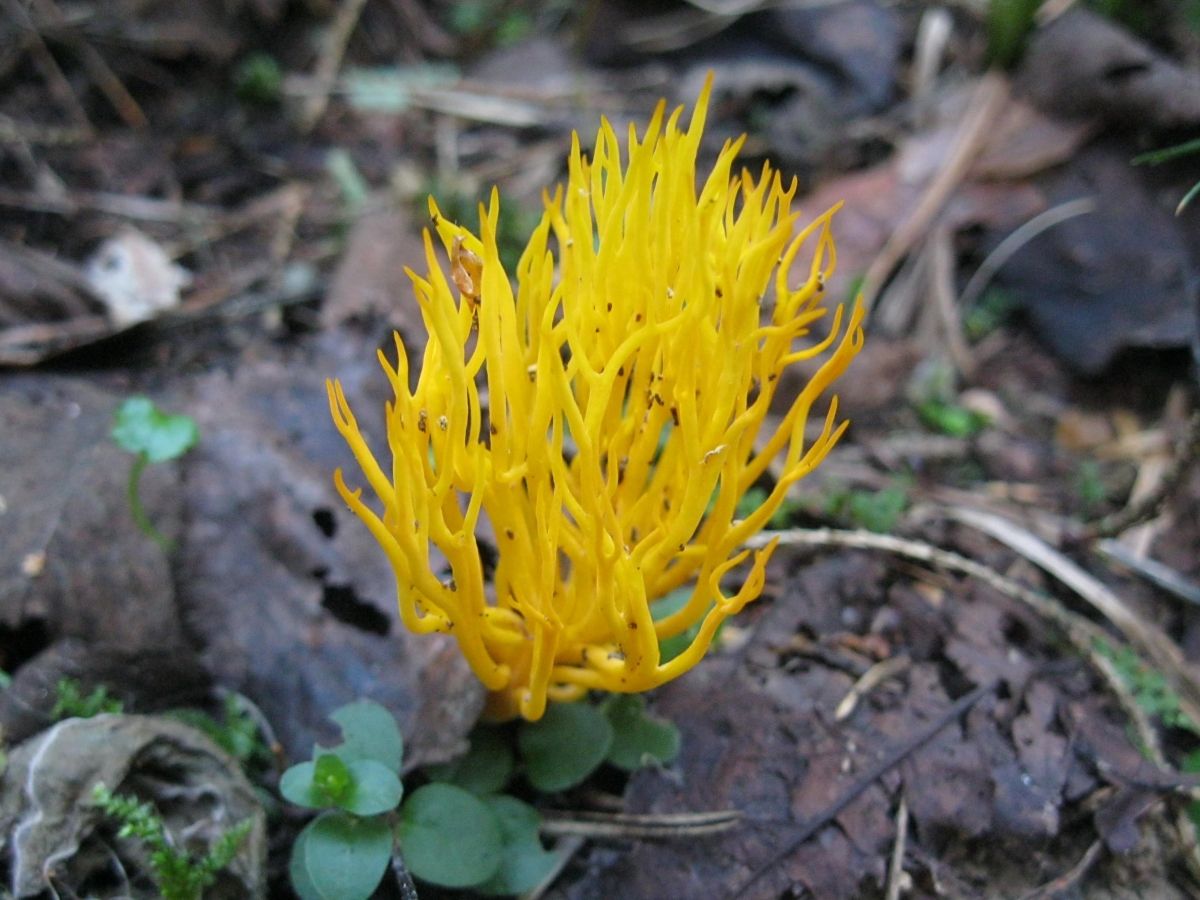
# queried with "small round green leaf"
point(375, 788)
point(638, 739)
point(449, 837)
point(369, 731)
point(141, 427)
point(297, 786)
point(298, 872)
point(526, 862)
point(564, 746)
point(340, 857)
point(486, 767)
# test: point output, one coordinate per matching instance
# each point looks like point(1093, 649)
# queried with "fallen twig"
point(896, 873)
point(330, 61)
point(1068, 882)
point(627, 826)
point(985, 104)
point(868, 681)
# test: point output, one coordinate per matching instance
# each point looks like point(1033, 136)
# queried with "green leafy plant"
point(70, 702)
point(988, 313)
point(933, 393)
point(458, 830)
point(639, 739)
point(178, 874)
point(236, 731)
point(152, 436)
point(455, 832)
point(498, 22)
point(344, 172)
point(951, 419)
point(344, 852)
point(1191, 765)
point(1150, 688)
point(877, 511)
point(1090, 487)
point(258, 79)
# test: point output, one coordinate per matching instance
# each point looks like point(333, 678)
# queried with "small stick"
point(330, 61)
point(408, 890)
point(104, 77)
point(870, 679)
point(1152, 570)
point(988, 99)
point(629, 826)
point(941, 283)
point(896, 869)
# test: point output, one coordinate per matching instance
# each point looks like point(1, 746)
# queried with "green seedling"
point(639, 739)
point(71, 702)
point(258, 79)
point(340, 167)
point(178, 874)
point(1150, 688)
point(1090, 487)
point(951, 419)
point(877, 511)
point(152, 436)
point(457, 835)
point(988, 313)
point(487, 766)
point(344, 852)
point(933, 393)
point(490, 21)
point(458, 830)
point(1191, 765)
point(564, 746)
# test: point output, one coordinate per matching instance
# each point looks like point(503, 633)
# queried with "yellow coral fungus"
point(604, 418)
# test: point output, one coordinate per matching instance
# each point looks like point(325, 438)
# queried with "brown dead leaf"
point(63, 483)
point(1082, 64)
point(1118, 277)
point(292, 598)
point(980, 646)
point(1026, 141)
point(144, 680)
